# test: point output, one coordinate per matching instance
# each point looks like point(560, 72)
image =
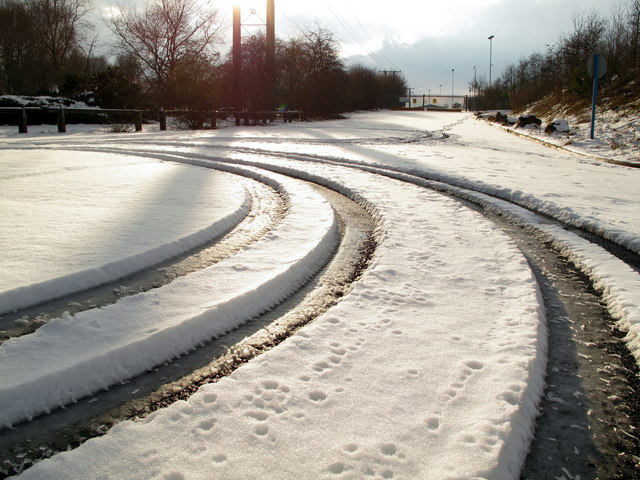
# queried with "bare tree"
point(634, 32)
point(311, 75)
point(16, 54)
point(254, 73)
point(165, 36)
point(37, 38)
point(58, 27)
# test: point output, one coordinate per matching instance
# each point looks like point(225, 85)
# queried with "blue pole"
point(596, 65)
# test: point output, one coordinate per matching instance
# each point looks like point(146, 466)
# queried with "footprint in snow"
point(207, 424)
point(317, 396)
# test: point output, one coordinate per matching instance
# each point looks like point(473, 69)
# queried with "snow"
point(616, 136)
point(69, 221)
point(44, 102)
point(431, 367)
point(80, 355)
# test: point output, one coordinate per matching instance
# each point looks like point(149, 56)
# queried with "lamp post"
point(452, 70)
point(474, 90)
point(490, 56)
point(429, 99)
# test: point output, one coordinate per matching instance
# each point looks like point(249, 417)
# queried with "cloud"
point(520, 29)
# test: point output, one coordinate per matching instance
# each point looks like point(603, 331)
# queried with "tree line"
point(560, 73)
point(170, 55)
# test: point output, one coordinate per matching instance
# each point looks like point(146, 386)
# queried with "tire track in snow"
point(598, 450)
point(261, 334)
point(603, 375)
point(414, 181)
point(267, 208)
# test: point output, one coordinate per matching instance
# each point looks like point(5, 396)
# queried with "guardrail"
point(135, 117)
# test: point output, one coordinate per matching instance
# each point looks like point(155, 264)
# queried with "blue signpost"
point(597, 67)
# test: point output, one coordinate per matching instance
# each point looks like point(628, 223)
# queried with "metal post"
point(596, 74)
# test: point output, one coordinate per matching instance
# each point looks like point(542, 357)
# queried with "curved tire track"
point(267, 209)
point(176, 380)
point(581, 344)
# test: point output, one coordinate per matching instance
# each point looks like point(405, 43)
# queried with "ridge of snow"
point(618, 282)
point(71, 357)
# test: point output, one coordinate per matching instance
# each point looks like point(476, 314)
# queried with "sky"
point(425, 40)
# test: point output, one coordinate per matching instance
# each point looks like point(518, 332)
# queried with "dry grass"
point(622, 97)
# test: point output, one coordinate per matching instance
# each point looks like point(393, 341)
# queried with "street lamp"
point(452, 70)
point(474, 90)
point(490, 55)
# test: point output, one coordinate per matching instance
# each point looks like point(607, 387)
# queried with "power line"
point(380, 52)
point(357, 38)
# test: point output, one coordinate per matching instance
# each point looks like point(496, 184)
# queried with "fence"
point(136, 117)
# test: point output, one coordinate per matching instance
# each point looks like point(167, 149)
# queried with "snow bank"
point(71, 357)
point(61, 234)
point(618, 282)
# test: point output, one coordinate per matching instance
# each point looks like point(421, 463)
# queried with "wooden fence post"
point(62, 125)
point(22, 122)
point(214, 120)
point(139, 121)
point(163, 119)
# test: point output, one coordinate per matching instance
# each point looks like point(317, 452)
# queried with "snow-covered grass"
point(616, 135)
point(432, 367)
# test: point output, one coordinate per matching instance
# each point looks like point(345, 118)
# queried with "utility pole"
point(270, 56)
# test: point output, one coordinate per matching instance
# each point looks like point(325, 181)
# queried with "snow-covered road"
point(431, 367)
